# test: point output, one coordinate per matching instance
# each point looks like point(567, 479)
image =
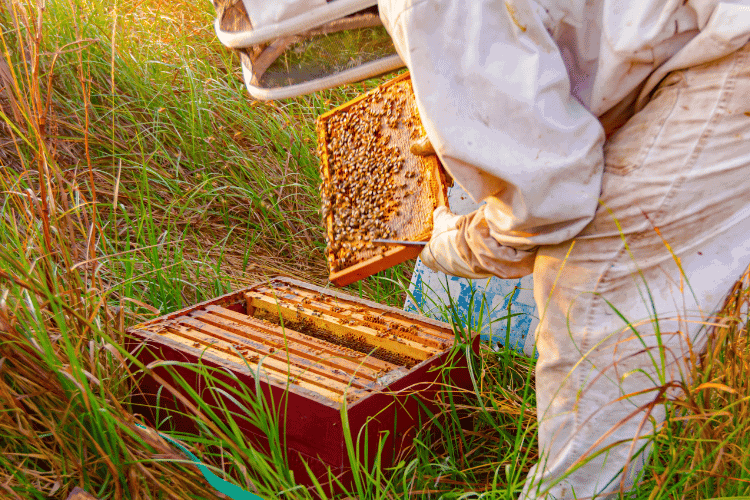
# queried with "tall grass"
point(136, 178)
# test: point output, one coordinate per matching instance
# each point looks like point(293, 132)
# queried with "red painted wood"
point(311, 424)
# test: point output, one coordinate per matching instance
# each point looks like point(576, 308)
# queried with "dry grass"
point(135, 179)
point(702, 453)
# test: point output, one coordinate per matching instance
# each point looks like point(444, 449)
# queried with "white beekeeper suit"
point(633, 238)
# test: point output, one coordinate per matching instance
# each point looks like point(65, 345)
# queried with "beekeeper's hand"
point(461, 245)
point(440, 253)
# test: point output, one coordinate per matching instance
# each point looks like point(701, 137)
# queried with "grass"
point(137, 178)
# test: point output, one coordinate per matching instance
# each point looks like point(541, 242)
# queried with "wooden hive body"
point(332, 348)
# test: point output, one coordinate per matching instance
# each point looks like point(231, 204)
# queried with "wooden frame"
point(398, 253)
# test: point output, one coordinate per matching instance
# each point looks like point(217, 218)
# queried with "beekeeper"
point(610, 142)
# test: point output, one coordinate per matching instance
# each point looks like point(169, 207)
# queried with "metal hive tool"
point(331, 348)
point(373, 186)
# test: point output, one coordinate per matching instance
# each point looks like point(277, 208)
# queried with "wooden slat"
point(278, 370)
point(430, 333)
point(331, 354)
point(359, 376)
point(375, 264)
point(300, 355)
point(274, 373)
point(331, 324)
point(277, 357)
point(423, 333)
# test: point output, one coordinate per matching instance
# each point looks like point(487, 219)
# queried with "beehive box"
point(332, 348)
point(373, 187)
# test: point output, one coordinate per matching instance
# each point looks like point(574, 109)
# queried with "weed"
point(136, 178)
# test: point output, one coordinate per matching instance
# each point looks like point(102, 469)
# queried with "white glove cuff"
point(441, 255)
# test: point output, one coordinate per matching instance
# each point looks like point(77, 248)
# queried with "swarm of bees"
point(368, 177)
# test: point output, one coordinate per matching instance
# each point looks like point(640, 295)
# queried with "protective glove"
point(464, 246)
point(440, 254)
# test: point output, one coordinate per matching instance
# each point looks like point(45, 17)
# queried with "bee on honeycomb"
point(367, 178)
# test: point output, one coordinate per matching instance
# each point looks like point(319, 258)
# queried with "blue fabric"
point(482, 303)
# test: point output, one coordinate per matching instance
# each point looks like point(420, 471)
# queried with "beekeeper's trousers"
point(623, 304)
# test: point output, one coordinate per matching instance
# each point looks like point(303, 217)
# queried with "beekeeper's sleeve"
point(494, 97)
